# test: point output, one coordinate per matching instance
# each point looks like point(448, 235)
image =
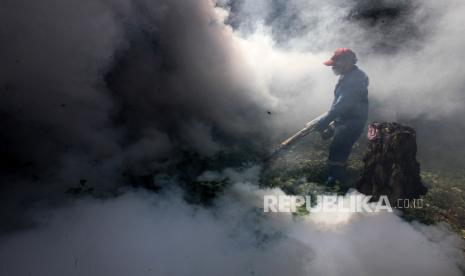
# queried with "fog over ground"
point(159, 234)
point(99, 90)
point(409, 50)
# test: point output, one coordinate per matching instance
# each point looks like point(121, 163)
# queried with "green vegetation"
point(302, 171)
point(445, 200)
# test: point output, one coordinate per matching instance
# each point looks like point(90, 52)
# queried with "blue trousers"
point(345, 136)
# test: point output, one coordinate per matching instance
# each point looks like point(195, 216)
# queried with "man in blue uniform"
point(349, 111)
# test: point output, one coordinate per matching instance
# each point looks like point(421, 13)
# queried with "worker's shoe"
point(331, 182)
point(337, 175)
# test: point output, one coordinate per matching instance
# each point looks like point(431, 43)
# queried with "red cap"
point(344, 53)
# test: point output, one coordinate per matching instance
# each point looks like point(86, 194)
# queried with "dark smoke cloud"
point(96, 85)
point(387, 26)
point(93, 89)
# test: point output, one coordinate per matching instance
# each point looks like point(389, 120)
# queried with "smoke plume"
point(150, 234)
point(102, 92)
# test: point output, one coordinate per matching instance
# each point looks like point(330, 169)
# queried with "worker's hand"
point(320, 126)
point(328, 132)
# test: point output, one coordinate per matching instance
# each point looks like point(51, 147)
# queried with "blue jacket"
point(350, 104)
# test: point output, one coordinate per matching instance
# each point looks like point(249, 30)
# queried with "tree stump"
point(390, 164)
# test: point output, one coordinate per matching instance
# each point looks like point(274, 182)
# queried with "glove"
point(328, 132)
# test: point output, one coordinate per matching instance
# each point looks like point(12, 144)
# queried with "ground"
point(302, 171)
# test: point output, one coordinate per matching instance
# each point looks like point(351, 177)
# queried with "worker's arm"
point(346, 100)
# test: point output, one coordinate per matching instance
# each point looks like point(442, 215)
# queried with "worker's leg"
point(341, 145)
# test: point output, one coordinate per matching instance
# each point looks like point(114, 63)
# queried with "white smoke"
point(207, 75)
point(159, 234)
point(420, 79)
